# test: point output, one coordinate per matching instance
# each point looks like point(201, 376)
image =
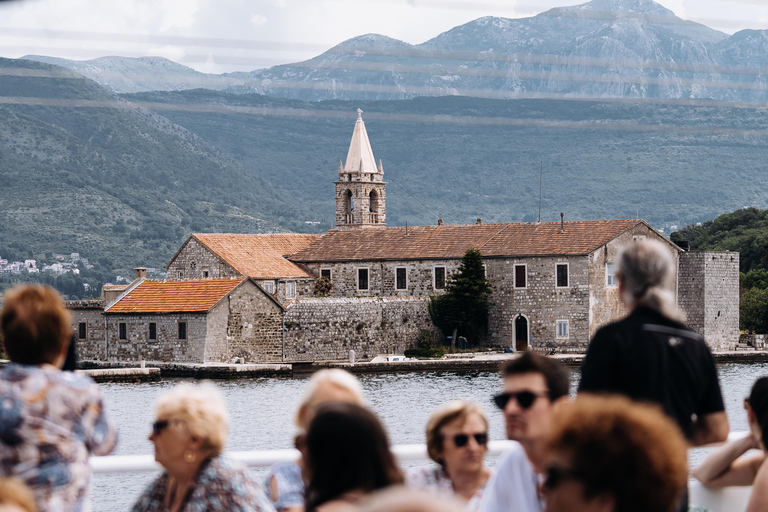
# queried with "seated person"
point(457, 439)
point(609, 454)
point(726, 466)
point(284, 483)
point(51, 420)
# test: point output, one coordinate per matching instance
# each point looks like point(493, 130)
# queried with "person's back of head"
point(647, 270)
point(555, 375)
point(35, 325)
point(347, 449)
point(758, 402)
point(622, 451)
point(328, 385)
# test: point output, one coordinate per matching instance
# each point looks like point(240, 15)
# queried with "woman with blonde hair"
point(285, 483)
point(457, 440)
point(189, 435)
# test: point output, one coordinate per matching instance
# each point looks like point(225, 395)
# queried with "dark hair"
point(758, 402)
point(628, 450)
point(35, 324)
point(346, 449)
point(553, 372)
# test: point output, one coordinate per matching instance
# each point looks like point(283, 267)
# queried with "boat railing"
point(713, 500)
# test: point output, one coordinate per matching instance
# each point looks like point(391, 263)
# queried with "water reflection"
point(262, 413)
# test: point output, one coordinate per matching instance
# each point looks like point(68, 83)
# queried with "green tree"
point(753, 311)
point(463, 308)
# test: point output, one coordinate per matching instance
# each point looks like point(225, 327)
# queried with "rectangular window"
point(182, 330)
point(122, 329)
point(290, 290)
point(325, 272)
point(562, 329)
point(152, 330)
point(181, 274)
point(81, 331)
point(362, 279)
point(610, 274)
point(269, 287)
point(562, 275)
point(205, 274)
point(401, 278)
point(439, 278)
point(521, 274)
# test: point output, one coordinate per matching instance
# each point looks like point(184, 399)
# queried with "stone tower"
point(360, 199)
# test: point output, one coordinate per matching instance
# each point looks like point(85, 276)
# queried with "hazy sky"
point(228, 35)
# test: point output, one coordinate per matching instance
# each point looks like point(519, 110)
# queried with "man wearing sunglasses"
point(534, 386)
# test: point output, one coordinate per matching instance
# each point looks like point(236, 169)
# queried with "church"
point(554, 285)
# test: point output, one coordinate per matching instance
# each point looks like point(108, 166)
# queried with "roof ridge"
point(494, 236)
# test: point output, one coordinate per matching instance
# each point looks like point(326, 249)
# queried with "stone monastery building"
point(253, 296)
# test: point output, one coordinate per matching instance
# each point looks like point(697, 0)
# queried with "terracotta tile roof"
point(452, 241)
point(260, 256)
point(190, 296)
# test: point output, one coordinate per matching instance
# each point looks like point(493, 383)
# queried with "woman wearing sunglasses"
point(189, 434)
point(726, 466)
point(457, 439)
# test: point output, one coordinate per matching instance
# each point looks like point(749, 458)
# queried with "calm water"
point(262, 413)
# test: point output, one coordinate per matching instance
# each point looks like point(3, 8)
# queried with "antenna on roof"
point(406, 228)
point(541, 177)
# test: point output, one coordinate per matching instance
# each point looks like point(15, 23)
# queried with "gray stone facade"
point(328, 328)
point(708, 293)
point(195, 261)
point(167, 347)
point(92, 346)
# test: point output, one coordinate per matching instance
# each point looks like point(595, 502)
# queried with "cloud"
point(258, 20)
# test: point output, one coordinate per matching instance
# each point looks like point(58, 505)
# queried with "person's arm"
point(724, 468)
point(758, 502)
point(710, 428)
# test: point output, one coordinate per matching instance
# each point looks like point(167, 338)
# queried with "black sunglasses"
point(555, 475)
point(159, 426)
point(525, 399)
point(461, 440)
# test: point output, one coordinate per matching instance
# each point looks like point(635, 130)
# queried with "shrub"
point(323, 287)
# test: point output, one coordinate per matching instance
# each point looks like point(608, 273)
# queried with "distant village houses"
point(254, 297)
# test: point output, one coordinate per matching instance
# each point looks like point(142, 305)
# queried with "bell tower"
point(360, 198)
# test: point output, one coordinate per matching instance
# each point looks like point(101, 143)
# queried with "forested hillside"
point(80, 171)
point(461, 158)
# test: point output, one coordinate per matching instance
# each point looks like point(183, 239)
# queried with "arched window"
point(350, 202)
point(373, 202)
point(521, 333)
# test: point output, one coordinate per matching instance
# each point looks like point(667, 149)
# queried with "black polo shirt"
point(648, 357)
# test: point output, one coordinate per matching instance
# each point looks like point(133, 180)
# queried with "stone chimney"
point(479, 222)
point(140, 273)
point(562, 222)
point(439, 222)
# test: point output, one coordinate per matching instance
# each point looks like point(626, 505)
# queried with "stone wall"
point(194, 259)
point(721, 312)
point(691, 289)
point(328, 328)
point(754, 340)
point(304, 288)
point(382, 275)
point(541, 303)
point(604, 303)
point(93, 346)
point(167, 347)
point(248, 325)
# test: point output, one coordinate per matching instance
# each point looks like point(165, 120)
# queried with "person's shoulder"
point(152, 496)
point(513, 459)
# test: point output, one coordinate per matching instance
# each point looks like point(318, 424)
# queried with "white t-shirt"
point(514, 486)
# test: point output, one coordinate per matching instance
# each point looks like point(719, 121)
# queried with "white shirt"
point(514, 486)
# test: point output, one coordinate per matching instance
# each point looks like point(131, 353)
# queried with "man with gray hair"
point(651, 355)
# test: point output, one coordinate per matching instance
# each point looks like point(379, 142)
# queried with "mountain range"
point(601, 49)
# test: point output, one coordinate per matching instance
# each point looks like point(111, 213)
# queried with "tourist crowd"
point(648, 392)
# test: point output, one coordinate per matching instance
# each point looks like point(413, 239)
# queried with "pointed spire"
point(360, 156)
point(341, 167)
point(381, 167)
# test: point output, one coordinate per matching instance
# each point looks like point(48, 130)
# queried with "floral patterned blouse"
point(435, 479)
point(222, 486)
point(50, 422)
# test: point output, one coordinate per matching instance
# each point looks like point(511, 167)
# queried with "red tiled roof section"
point(260, 256)
point(445, 242)
point(190, 296)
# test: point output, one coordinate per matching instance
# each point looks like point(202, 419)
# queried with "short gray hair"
point(647, 268)
point(201, 408)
